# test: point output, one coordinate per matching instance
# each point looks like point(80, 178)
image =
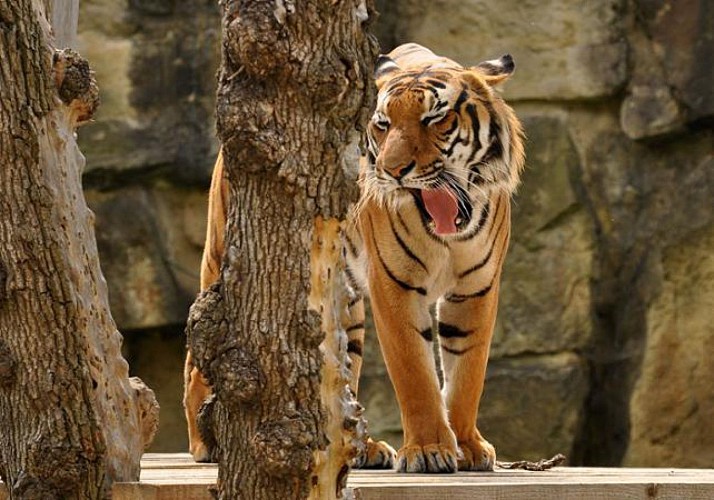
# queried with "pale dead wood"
point(345, 429)
point(540, 465)
point(72, 422)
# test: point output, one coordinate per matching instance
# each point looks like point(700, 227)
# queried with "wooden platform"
point(176, 477)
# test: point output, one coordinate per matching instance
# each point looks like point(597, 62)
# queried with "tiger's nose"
point(401, 171)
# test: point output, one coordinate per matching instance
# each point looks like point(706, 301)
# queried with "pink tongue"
point(441, 205)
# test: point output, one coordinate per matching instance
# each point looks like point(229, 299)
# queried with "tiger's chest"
point(396, 245)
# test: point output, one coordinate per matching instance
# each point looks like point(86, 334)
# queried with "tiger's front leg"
point(377, 454)
point(465, 331)
point(404, 330)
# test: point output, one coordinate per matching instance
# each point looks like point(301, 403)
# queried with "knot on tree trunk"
point(285, 446)
point(253, 37)
point(237, 378)
point(76, 85)
point(234, 372)
point(54, 471)
point(207, 329)
point(148, 409)
point(7, 366)
point(268, 69)
point(257, 143)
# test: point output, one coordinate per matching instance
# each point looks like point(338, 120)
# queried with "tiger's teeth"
point(458, 221)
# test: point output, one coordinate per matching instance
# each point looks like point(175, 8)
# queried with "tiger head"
point(442, 135)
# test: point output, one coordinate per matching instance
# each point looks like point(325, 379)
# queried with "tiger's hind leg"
point(196, 387)
point(377, 454)
point(465, 330)
point(196, 390)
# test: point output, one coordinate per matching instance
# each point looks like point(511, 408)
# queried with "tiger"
point(431, 228)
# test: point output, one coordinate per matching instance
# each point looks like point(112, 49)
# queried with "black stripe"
point(450, 150)
point(428, 88)
point(475, 175)
point(350, 244)
point(404, 246)
point(479, 226)
point(499, 199)
point(455, 297)
point(355, 347)
point(452, 332)
point(436, 83)
point(457, 352)
point(487, 258)
point(404, 285)
point(402, 223)
point(356, 326)
point(475, 128)
point(354, 300)
point(461, 100)
point(427, 334)
point(495, 148)
point(426, 121)
point(454, 125)
point(351, 280)
point(370, 157)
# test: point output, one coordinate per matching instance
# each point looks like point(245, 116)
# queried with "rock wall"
point(149, 159)
point(604, 333)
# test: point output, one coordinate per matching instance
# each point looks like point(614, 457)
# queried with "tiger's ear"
point(496, 71)
point(383, 68)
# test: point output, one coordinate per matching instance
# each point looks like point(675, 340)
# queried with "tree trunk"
point(294, 93)
point(72, 421)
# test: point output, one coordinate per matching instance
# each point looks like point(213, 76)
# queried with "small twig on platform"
point(540, 465)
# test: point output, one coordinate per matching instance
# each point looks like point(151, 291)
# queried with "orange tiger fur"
point(431, 227)
point(196, 388)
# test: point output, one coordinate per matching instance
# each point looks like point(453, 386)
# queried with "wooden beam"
point(177, 477)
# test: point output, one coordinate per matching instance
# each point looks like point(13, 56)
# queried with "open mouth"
point(445, 210)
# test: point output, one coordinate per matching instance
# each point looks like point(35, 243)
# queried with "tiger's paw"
point(377, 455)
point(201, 453)
point(476, 454)
point(429, 458)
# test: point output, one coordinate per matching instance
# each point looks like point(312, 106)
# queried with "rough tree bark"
point(72, 421)
point(294, 93)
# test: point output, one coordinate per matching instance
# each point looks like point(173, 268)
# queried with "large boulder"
point(563, 50)
point(672, 405)
point(545, 293)
point(532, 405)
point(156, 74)
point(150, 243)
point(673, 59)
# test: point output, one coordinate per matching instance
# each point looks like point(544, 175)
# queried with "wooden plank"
point(143, 491)
point(533, 491)
point(177, 477)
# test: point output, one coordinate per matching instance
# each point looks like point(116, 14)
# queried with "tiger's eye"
point(443, 120)
point(381, 124)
